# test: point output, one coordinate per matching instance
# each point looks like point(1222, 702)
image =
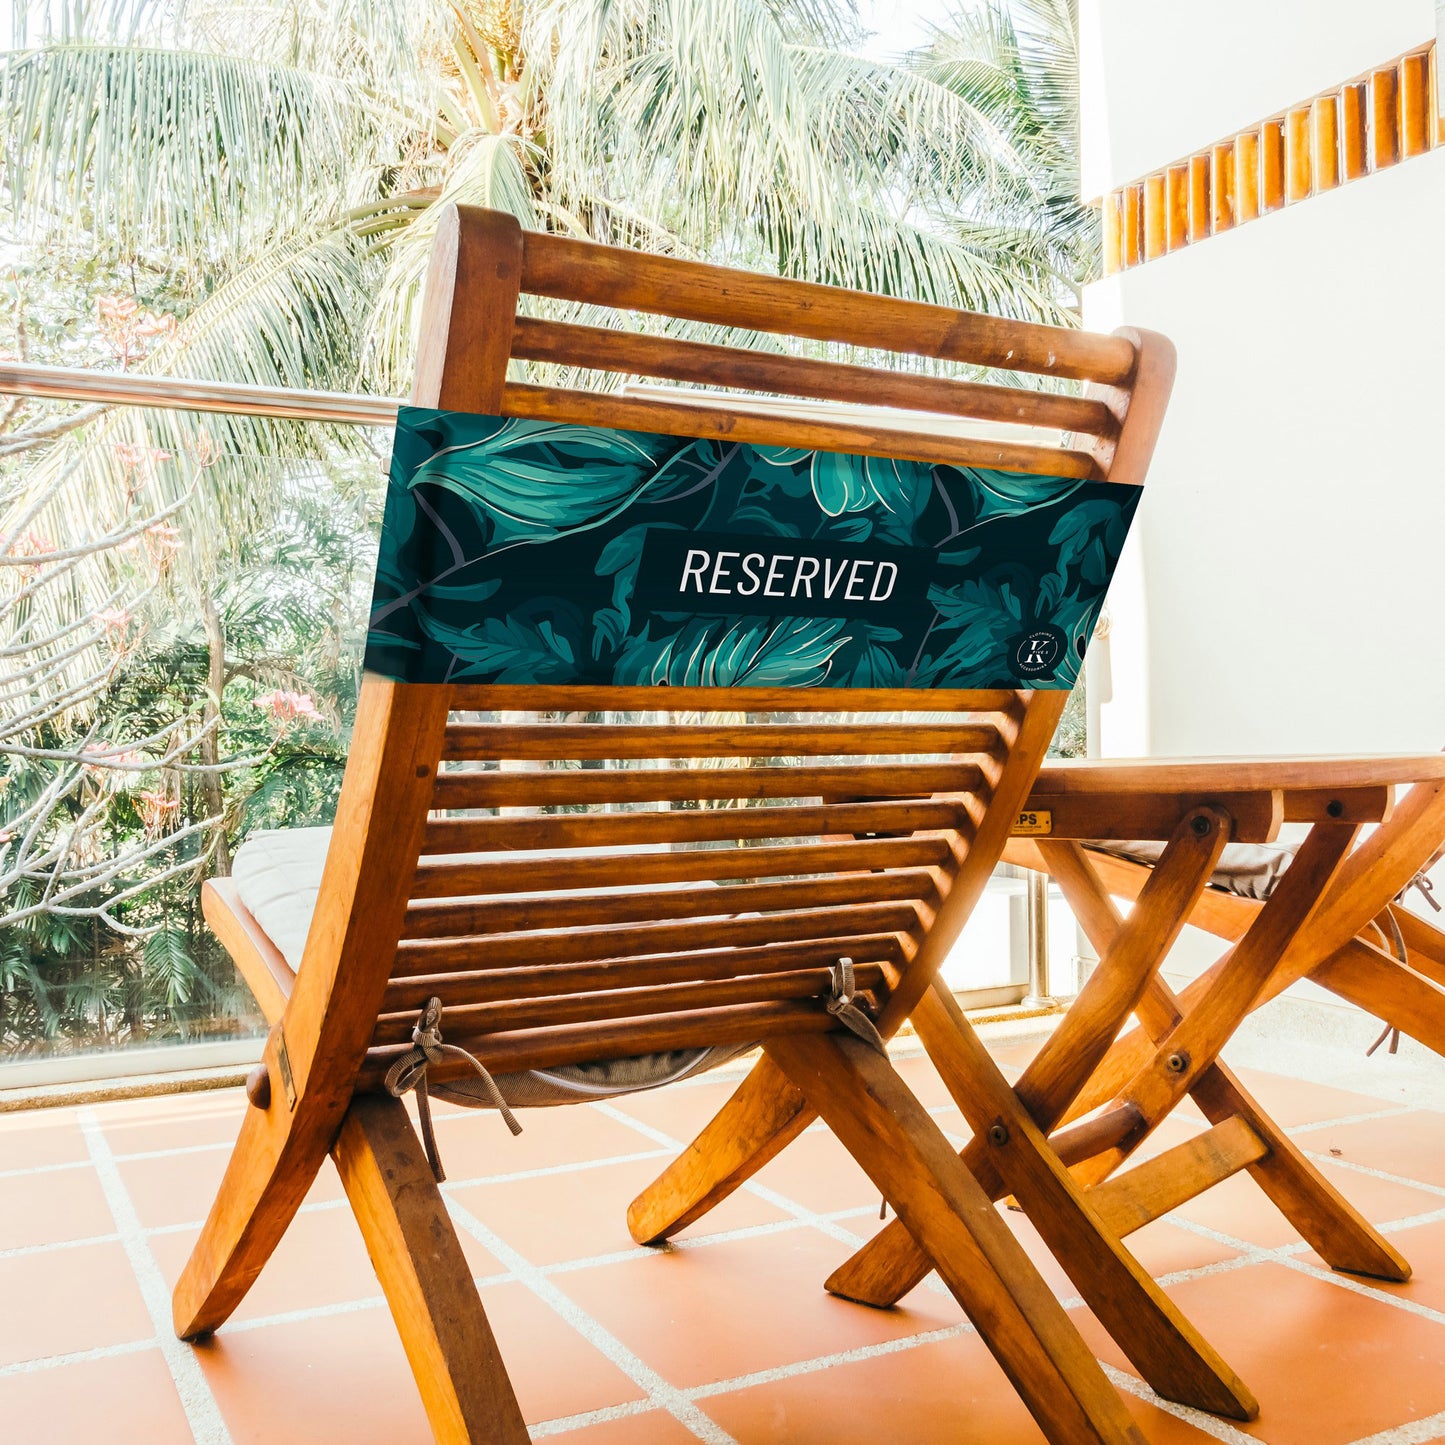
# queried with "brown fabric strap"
point(849, 1013)
point(1426, 888)
point(410, 1070)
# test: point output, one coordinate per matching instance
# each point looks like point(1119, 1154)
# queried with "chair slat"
point(567, 978)
point(470, 1021)
point(563, 786)
point(633, 281)
point(768, 428)
point(488, 697)
point(691, 825)
point(416, 957)
point(536, 875)
point(581, 1043)
point(588, 741)
point(600, 348)
point(464, 918)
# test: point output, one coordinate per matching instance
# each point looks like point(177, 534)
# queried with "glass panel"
point(182, 611)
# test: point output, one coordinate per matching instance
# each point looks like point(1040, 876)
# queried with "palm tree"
point(1016, 62)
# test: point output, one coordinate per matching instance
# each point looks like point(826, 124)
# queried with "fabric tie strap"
point(1422, 882)
point(410, 1070)
point(847, 1011)
point(1401, 952)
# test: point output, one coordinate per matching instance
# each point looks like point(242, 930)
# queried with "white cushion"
point(1251, 870)
point(277, 872)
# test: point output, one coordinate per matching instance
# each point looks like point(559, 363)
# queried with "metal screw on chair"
point(1335, 808)
point(998, 1134)
point(1201, 826)
point(1177, 1063)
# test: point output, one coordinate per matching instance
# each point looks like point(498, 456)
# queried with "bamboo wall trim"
point(1375, 120)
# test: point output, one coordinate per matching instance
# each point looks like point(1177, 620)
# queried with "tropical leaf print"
point(514, 551)
point(781, 652)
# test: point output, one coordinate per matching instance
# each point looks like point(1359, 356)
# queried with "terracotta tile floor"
point(728, 1336)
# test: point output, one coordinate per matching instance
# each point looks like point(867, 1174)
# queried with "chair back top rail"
point(574, 270)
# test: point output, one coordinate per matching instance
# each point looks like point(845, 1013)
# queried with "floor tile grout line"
point(1288, 1255)
point(637, 1370)
point(63, 1166)
point(1206, 1424)
point(1356, 1286)
point(1391, 1111)
point(799, 1211)
point(801, 1216)
point(1371, 1172)
point(77, 1357)
point(818, 1363)
point(1412, 1221)
point(570, 1266)
point(547, 1171)
point(23, 1251)
point(208, 1427)
point(560, 1424)
point(1412, 1432)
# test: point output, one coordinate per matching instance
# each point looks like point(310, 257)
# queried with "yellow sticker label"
point(1033, 823)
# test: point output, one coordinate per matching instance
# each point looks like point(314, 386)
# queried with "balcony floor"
point(727, 1336)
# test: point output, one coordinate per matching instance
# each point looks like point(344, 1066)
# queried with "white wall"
point(1291, 544)
point(1162, 78)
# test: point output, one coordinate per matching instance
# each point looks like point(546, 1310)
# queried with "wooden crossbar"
point(661, 285)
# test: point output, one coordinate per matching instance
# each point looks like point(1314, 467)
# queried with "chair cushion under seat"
point(1250, 870)
point(277, 872)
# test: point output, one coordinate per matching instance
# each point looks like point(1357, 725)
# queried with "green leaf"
point(514, 476)
point(506, 650)
point(786, 652)
point(835, 482)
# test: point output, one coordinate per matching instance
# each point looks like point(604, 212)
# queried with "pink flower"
point(157, 810)
point(126, 758)
point(161, 542)
point(116, 621)
point(31, 543)
point(288, 707)
point(127, 327)
point(112, 764)
point(207, 450)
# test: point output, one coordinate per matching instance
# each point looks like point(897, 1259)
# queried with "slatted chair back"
point(468, 823)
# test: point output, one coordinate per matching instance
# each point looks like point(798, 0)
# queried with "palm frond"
point(485, 170)
point(751, 141)
point(177, 149)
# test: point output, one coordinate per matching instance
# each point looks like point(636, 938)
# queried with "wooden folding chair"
point(1365, 947)
point(1115, 1097)
point(534, 974)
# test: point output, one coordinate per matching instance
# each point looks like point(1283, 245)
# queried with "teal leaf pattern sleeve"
point(517, 551)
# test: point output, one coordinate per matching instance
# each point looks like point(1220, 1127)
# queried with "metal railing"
point(66, 383)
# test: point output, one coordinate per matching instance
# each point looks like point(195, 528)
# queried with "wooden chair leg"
point(425, 1276)
point(271, 1169)
point(907, 1156)
point(1325, 1219)
point(891, 1263)
point(1383, 986)
point(764, 1115)
point(1176, 1360)
point(1321, 1214)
